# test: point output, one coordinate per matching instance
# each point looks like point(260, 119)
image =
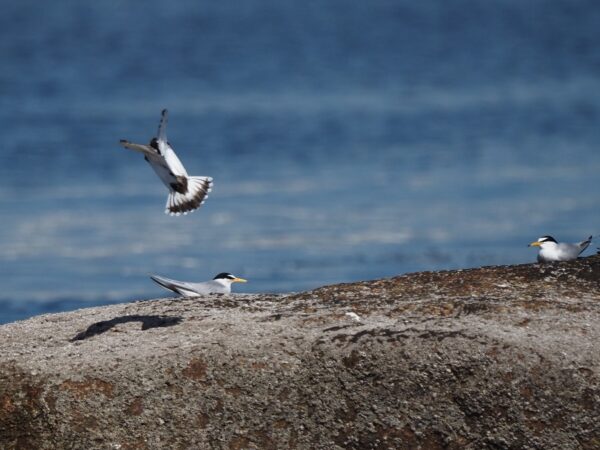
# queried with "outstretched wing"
point(162, 126)
point(165, 148)
point(146, 149)
point(173, 162)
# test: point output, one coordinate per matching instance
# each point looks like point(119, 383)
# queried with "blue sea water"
point(347, 140)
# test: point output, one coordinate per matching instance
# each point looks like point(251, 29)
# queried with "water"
point(347, 141)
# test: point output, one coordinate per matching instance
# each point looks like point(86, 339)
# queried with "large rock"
point(498, 357)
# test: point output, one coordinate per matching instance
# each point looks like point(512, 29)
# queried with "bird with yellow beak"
point(221, 284)
point(551, 250)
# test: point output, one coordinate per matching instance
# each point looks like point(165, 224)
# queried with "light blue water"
point(347, 140)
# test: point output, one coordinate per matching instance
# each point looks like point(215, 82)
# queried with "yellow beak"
point(239, 280)
point(534, 244)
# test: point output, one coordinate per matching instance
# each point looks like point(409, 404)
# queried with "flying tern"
point(186, 193)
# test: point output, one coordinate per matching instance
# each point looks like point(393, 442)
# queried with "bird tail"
point(585, 244)
point(195, 195)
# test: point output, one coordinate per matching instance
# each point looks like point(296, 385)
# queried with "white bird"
point(186, 193)
point(550, 250)
point(221, 284)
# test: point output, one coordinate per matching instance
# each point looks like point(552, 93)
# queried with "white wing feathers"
point(172, 161)
point(162, 126)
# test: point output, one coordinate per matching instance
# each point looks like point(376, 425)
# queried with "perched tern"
point(550, 250)
point(221, 284)
point(186, 193)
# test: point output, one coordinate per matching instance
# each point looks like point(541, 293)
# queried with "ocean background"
point(347, 141)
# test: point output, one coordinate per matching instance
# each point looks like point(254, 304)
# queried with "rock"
point(497, 357)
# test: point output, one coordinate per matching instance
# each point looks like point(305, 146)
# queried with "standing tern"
point(186, 193)
point(221, 284)
point(550, 250)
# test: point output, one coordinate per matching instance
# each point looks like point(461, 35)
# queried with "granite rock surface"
point(491, 358)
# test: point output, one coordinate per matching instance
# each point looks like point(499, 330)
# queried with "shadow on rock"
point(147, 323)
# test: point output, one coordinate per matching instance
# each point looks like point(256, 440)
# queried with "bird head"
point(228, 278)
point(544, 242)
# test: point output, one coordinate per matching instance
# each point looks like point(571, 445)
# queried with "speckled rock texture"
point(490, 358)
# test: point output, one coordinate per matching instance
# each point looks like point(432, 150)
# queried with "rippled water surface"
point(347, 141)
